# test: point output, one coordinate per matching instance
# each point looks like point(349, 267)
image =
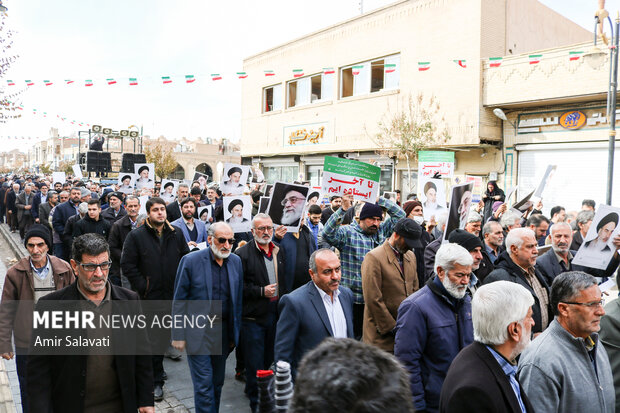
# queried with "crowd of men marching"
point(482, 322)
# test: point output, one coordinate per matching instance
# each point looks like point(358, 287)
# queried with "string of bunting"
point(356, 70)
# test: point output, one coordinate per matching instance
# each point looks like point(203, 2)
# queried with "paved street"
point(178, 391)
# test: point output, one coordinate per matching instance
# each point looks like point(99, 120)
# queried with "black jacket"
point(67, 236)
point(255, 277)
point(58, 383)
point(429, 259)
point(116, 240)
point(173, 211)
point(108, 215)
point(550, 267)
point(507, 270)
point(150, 264)
point(87, 225)
point(577, 241)
point(476, 383)
point(486, 267)
point(11, 197)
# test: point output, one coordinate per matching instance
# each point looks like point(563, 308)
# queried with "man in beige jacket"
point(388, 277)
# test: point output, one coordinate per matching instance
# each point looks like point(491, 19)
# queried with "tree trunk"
point(409, 172)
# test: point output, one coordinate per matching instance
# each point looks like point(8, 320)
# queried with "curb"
point(16, 247)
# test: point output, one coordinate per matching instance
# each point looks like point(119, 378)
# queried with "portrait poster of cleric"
point(126, 183)
point(168, 190)
point(234, 179)
point(238, 212)
point(432, 196)
point(598, 249)
point(460, 203)
point(287, 205)
point(145, 175)
point(202, 179)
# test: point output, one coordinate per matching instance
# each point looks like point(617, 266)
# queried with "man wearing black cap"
point(357, 239)
point(482, 264)
point(389, 276)
point(115, 210)
point(29, 279)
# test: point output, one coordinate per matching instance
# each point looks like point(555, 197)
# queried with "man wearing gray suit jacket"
point(319, 309)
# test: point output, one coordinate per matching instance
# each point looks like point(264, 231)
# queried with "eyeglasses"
point(264, 229)
point(593, 304)
point(231, 241)
point(89, 267)
point(292, 200)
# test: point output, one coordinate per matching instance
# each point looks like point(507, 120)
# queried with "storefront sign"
point(573, 120)
point(348, 177)
point(309, 134)
point(431, 163)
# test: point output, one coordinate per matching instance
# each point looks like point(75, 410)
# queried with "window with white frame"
point(310, 89)
point(272, 98)
point(370, 76)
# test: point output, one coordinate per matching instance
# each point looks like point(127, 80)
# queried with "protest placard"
point(59, 177)
point(77, 172)
point(598, 249)
point(431, 163)
point(460, 201)
point(348, 177)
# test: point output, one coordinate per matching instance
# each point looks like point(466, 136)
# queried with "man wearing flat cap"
point(388, 277)
point(143, 180)
point(233, 185)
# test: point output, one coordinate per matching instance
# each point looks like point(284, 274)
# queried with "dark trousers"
point(12, 220)
point(2, 212)
point(21, 362)
point(258, 342)
point(25, 223)
point(208, 373)
point(58, 250)
point(358, 320)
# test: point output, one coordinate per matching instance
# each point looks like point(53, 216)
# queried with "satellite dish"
point(97, 128)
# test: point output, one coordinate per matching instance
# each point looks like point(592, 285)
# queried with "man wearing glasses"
point(293, 206)
point(29, 279)
point(221, 273)
point(263, 270)
point(565, 369)
point(96, 381)
point(150, 258)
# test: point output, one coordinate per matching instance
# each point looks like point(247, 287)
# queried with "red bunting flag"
point(190, 79)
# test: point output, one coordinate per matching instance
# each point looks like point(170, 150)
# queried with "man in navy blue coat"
point(61, 215)
point(320, 309)
point(209, 275)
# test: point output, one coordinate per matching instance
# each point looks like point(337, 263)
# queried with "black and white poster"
point(598, 249)
point(238, 212)
point(460, 203)
point(234, 179)
point(288, 204)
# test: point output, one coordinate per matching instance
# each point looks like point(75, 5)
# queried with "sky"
point(148, 39)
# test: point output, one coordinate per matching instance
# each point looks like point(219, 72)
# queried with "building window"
point(370, 77)
point(280, 173)
point(272, 98)
point(311, 89)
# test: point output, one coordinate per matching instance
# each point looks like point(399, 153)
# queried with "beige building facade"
point(557, 115)
point(290, 123)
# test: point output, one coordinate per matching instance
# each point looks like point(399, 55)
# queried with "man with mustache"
point(516, 264)
point(222, 273)
point(566, 369)
point(434, 324)
point(321, 308)
point(482, 378)
point(263, 278)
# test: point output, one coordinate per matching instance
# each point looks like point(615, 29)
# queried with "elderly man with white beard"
point(424, 349)
point(482, 378)
point(263, 275)
point(211, 274)
point(293, 203)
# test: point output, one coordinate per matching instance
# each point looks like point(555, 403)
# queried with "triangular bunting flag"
point(189, 79)
point(10, 83)
point(29, 83)
point(216, 76)
point(88, 82)
point(269, 73)
point(242, 75)
point(69, 81)
point(423, 66)
point(574, 55)
point(133, 81)
point(111, 81)
point(389, 67)
point(166, 80)
point(460, 63)
point(47, 83)
point(356, 70)
point(298, 72)
point(328, 71)
point(495, 61)
point(535, 59)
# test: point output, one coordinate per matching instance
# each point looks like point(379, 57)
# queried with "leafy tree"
point(416, 125)
point(163, 158)
point(66, 167)
point(45, 169)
